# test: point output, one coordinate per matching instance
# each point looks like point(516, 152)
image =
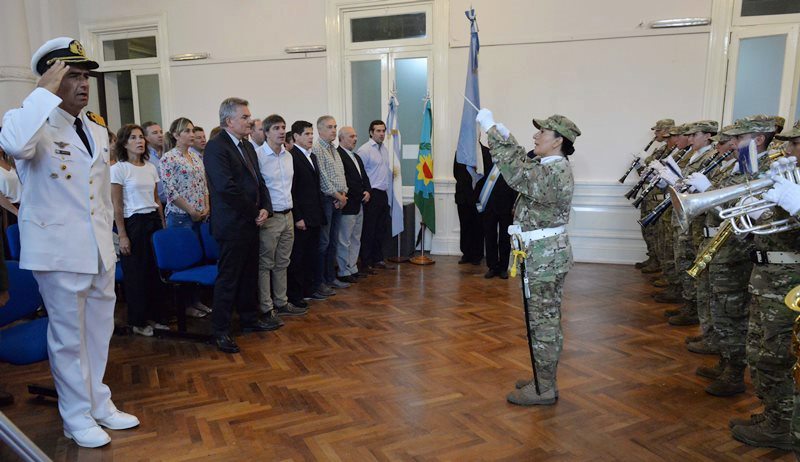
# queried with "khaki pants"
point(276, 238)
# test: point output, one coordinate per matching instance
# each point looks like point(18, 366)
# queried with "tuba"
point(792, 299)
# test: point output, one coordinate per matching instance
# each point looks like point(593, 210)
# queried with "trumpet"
point(739, 214)
point(688, 206)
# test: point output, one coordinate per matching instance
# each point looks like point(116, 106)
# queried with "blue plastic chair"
point(210, 246)
point(179, 258)
point(25, 342)
point(14, 242)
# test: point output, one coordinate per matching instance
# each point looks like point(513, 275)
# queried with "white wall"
point(595, 62)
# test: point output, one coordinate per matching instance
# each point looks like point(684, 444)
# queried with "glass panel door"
point(148, 98)
point(411, 75)
point(761, 72)
point(367, 94)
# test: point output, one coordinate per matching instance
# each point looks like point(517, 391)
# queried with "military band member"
point(545, 185)
point(65, 222)
point(776, 270)
point(660, 134)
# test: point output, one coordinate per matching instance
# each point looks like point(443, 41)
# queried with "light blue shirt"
point(278, 173)
point(376, 162)
point(155, 160)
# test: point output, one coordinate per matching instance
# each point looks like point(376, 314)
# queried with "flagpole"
point(422, 259)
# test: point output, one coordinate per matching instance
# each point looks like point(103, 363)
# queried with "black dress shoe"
point(226, 344)
point(490, 274)
point(359, 275)
point(348, 279)
point(265, 324)
point(503, 274)
point(463, 261)
point(299, 303)
point(476, 262)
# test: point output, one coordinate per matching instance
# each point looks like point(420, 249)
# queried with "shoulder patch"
point(96, 118)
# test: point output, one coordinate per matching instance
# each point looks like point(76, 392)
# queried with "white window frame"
point(739, 20)
point(791, 63)
point(372, 12)
point(93, 35)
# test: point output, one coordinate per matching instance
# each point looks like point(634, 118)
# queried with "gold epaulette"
point(96, 118)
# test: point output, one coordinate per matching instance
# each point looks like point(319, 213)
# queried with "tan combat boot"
point(527, 396)
point(730, 382)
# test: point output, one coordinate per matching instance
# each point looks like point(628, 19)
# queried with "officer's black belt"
point(283, 212)
point(761, 257)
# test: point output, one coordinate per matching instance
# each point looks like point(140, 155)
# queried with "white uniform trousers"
point(80, 308)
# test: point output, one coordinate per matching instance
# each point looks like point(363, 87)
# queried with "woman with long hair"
point(138, 214)
point(184, 179)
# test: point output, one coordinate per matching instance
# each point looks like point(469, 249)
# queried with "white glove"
point(786, 194)
point(755, 214)
point(486, 119)
point(503, 130)
point(655, 165)
point(669, 176)
point(698, 181)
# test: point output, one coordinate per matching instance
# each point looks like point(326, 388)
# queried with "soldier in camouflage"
point(700, 134)
point(545, 185)
point(664, 232)
point(660, 134)
point(776, 270)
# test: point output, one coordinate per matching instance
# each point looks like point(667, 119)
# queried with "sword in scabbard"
point(519, 257)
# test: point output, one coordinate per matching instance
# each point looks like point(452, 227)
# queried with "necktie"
point(82, 135)
point(251, 169)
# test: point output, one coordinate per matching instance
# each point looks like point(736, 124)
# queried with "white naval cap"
point(64, 49)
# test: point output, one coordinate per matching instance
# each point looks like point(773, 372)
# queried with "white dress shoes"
point(119, 421)
point(92, 437)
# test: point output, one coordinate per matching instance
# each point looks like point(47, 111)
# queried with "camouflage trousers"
point(769, 354)
point(544, 327)
point(664, 245)
point(728, 307)
point(703, 295)
point(649, 232)
point(684, 253)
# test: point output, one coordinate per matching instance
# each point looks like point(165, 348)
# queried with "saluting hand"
point(51, 79)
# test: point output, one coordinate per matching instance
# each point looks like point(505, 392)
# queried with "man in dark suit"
point(469, 222)
point(241, 204)
point(496, 216)
point(358, 193)
point(308, 217)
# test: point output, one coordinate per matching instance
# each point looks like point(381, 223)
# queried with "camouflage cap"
point(753, 124)
point(663, 124)
point(702, 126)
point(780, 122)
point(560, 124)
point(722, 136)
point(678, 130)
point(790, 134)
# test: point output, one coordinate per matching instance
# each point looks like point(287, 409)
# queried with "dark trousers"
point(302, 264)
point(471, 234)
point(377, 222)
point(498, 244)
point(236, 284)
point(144, 291)
point(328, 237)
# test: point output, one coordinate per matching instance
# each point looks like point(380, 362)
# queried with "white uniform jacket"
point(65, 216)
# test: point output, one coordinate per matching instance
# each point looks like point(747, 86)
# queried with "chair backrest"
point(210, 246)
point(14, 243)
point(24, 297)
point(176, 249)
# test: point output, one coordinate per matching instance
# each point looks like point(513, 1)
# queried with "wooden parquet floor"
point(414, 364)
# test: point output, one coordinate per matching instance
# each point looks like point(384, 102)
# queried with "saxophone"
point(705, 256)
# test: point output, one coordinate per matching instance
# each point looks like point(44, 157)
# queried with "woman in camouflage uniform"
point(545, 185)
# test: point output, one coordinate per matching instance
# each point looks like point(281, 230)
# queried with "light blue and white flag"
point(467, 152)
point(396, 184)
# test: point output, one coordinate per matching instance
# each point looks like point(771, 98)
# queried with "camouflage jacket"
point(544, 201)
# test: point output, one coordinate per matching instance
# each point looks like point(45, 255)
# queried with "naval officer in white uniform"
point(65, 224)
